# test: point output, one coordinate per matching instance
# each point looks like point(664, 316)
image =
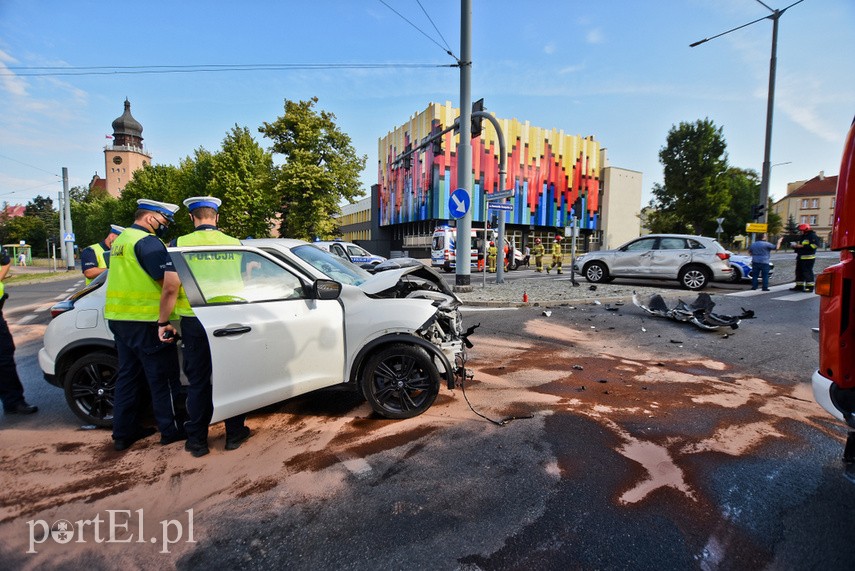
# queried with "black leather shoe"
point(177, 437)
point(121, 444)
point(234, 442)
point(195, 449)
point(22, 408)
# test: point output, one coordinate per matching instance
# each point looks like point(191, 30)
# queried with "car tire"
point(513, 265)
point(400, 381)
point(596, 272)
point(735, 275)
point(694, 277)
point(89, 387)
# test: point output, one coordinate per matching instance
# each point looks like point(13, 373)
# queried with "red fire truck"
point(834, 381)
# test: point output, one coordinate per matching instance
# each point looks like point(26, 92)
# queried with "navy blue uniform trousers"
point(197, 369)
point(141, 353)
point(11, 389)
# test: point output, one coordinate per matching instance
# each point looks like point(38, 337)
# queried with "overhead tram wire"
point(44, 71)
point(446, 49)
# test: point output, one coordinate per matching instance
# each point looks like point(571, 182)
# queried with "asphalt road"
point(651, 445)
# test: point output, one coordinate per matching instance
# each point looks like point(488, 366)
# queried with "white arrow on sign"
point(460, 206)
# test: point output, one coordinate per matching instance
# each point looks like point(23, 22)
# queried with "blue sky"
point(620, 70)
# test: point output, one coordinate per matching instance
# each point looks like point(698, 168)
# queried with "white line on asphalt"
point(356, 466)
point(71, 289)
point(796, 296)
point(60, 297)
point(26, 319)
point(750, 293)
point(43, 308)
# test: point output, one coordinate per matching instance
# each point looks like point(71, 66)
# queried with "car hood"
point(410, 281)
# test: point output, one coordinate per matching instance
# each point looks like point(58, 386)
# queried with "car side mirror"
point(326, 289)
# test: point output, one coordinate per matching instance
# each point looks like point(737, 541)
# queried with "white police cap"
point(114, 229)
point(202, 202)
point(165, 208)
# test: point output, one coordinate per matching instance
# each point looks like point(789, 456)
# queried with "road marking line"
point(43, 308)
point(71, 289)
point(26, 319)
point(750, 292)
point(796, 296)
point(356, 466)
point(60, 297)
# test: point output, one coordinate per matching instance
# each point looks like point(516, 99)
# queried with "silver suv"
point(693, 260)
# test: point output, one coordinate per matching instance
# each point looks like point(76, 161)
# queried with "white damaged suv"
point(301, 319)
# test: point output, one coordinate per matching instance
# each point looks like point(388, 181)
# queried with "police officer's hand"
point(167, 333)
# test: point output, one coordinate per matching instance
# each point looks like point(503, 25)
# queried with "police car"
point(350, 251)
point(299, 319)
point(741, 266)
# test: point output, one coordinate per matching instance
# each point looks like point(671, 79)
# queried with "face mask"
point(161, 231)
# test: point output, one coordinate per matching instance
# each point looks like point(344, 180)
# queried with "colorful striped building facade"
point(549, 170)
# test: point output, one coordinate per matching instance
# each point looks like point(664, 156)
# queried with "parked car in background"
point(693, 260)
point(834, 381)
point(741, 268)
point(301, 319)
point(350, 251)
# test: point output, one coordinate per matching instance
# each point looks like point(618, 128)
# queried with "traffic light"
point(757, 211)
point(476, 121)
point(436, 146)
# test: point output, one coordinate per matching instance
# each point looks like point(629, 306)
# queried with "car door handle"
point(232, 331)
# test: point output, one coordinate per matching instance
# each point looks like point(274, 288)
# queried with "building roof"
point(126, 124)
point(817, 186)
point(15, 210)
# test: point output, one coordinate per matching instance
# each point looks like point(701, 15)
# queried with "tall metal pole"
point(61, 210)
point(462, 278)
point(69, 246)
point(770, 104)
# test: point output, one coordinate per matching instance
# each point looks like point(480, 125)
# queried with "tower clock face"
point(117, 160)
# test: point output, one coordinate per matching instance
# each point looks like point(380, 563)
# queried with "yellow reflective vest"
point(132, 294)
point(215, 274)
point(99, 255)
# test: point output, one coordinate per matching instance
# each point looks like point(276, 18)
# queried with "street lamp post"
point(770, 103)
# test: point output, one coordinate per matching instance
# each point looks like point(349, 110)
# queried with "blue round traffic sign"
point(459, 202)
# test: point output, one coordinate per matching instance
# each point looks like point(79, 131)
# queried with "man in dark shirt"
point(11, 389)
point(95, 259)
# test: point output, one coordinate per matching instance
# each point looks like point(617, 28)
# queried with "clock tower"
point(126, 154)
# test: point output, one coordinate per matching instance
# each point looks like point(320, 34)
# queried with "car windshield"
point(355, 250)
point(336, 268)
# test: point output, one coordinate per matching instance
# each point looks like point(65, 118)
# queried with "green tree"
point(743, 186)
point(773, 219)
point(241, 175)
point(693, 193)
point(320, 169)
point(92, 218)
point(31, 229)
point(164, 183)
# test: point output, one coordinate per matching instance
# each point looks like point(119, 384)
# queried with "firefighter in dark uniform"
point(195, 347)
point(538, 252)
point(805, 249)
point(141, 291)
point(95, 259)
point(11, 389)
point(557, 254)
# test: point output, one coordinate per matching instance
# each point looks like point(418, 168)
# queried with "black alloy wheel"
point(89, 387)
point(400, 381)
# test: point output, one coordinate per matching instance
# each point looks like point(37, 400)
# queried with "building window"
point(804, 202)
point(814, 203)
point(812, 220)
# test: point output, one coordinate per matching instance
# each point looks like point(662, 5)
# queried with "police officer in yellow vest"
point(11, 389)
point(197, 352)
point(141, 290)
point(95, 259)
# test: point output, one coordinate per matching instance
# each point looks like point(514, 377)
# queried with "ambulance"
point(444, 247)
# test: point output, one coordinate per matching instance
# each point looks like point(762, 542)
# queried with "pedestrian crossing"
point(788, 296)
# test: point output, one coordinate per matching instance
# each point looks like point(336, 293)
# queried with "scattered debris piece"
point(547, 313)
point(618, 303)
point(602, 381)
point(579, 367)
point(610, 308)
point(675, 341)
point(699, 312)
point(597, 302)
point(592, 288)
